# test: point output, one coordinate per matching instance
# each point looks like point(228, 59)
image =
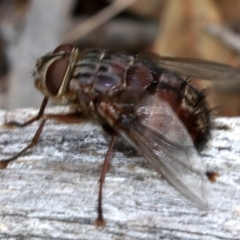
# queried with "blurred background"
point(206, 29)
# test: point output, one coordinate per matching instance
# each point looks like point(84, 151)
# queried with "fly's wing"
point(161, 138)
point(195, 68)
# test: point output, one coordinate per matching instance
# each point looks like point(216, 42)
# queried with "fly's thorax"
point(102, 72)
point(102, 76)
point(54, 71)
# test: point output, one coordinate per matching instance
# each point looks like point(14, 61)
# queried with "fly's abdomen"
point(187, 102)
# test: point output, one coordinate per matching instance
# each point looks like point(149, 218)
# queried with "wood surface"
point(51, 192)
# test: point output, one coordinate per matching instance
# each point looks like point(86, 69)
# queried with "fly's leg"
point(37, 117)
point(67, 118)
point(5, 162)
point(70, 118)
point(100, 222)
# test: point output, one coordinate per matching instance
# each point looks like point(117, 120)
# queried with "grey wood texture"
point(51, 192)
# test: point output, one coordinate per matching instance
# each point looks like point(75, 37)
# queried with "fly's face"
point(54, 70)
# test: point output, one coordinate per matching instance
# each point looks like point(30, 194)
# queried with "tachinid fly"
point(144, 99)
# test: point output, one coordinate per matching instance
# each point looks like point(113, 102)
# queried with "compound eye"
point(67, 48)
point(55, 75)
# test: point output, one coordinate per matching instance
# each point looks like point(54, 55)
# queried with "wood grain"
point(51, 192)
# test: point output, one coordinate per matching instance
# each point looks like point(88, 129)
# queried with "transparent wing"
point(194, 68)
point(162, 139)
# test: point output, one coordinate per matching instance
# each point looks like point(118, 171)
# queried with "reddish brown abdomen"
point(187, 102)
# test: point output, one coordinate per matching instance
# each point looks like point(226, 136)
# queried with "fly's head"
point(53, 72)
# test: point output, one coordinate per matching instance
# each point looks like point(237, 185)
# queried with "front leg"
point(37, 117)
point(75, 117)
point(5, 162)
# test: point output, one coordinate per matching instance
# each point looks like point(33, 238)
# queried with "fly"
point(144, 99)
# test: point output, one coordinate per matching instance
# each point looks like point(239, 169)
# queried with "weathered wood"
point(51, 192)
